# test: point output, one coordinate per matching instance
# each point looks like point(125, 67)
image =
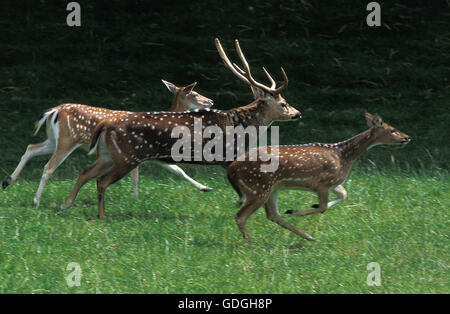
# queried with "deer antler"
point(246, 75)
point(236, 71)
point(272, 81)
point(271, 90)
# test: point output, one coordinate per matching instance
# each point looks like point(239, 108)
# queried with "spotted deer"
point(316, 167)
point(125, 142)
point(70, 126)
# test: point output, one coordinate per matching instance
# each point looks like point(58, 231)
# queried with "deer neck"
point(251, 114)
point(354, 147)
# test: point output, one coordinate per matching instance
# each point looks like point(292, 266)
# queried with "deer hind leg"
point(46, 147)
point(98, 168)
point(113, 175)
point(135, 181)
point(273, 214)
point(180, 172)
point(323, 205)
point(235, 186)
point(63, 150)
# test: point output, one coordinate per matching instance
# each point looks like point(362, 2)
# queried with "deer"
point(70, 126)
point(317, 167)
point(124, 142)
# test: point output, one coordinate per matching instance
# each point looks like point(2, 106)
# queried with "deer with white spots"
point(70, 126)
point(317, 167)
point(125, 142)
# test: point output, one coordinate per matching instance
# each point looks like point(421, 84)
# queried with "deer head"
point(277, 106)
point(383, 133)
point(186, 98)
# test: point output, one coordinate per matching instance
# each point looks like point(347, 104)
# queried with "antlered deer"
point(317, 167)
point(70, 126)
point(125, 142)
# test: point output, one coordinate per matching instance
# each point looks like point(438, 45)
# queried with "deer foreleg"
point(341, 193)
point(323, 205)
point(180, 172)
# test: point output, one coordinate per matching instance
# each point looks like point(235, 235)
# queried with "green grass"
point(175, 239)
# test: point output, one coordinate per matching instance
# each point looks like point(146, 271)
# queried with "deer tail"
point(46, 115)
point(94, 140)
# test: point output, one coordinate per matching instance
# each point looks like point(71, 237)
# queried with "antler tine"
point(236, 71)
point(239, 69)
point(285, 82)
point(272, 90)
point(272, 81)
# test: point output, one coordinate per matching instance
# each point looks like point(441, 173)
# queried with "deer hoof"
point(309, 238)
point(206, 189)
point(36, 203)
point(315, 206)
point(6, 182)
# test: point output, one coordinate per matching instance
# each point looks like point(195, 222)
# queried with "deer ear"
point(372, 120)
point(377, 121)
point(369, 119)
point(256, 92)
point(259, 93)
point(189, 88)
point(171, 87)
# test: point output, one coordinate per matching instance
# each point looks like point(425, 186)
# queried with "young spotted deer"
point(70, 126)
point(125, 142)
point(319, 168)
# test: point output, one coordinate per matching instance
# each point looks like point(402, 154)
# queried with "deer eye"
point(393, 131)
point(283, 104)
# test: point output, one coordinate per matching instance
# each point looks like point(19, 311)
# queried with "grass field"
point(178, 240)
point(175, 239)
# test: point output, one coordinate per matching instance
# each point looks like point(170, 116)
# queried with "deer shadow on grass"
point(87, 208)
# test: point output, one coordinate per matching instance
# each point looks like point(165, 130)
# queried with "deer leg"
point(250, 206)
point(242, 197)
point(33, 150)
point(340, 192)
point(99, 167)
point(178, 171)
point(273, 214)
point(323, 205)
point(135, 180)
point(113, 175)
point(62, 151)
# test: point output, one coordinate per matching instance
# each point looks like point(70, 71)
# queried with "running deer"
point(316, 167)
point(124, 142)
point(70, 126)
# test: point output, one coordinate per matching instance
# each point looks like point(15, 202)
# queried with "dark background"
point(338, 67)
